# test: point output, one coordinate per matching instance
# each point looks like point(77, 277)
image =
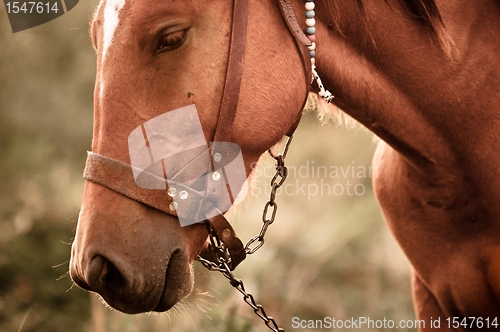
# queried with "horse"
point(422, 75)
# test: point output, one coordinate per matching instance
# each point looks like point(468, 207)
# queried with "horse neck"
point(390, 75)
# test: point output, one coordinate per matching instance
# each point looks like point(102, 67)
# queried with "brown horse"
point(423, 75)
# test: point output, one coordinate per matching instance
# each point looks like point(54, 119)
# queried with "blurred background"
point(329, 253)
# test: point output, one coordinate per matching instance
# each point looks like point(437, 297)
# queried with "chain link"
point(258, 309)
point(223, 257)
point(277, 181)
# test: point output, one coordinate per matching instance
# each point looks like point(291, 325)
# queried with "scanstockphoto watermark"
point(361, 323)
point(313, 179)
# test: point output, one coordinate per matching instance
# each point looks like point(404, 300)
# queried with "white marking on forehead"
point(110, 22)
point(110, 19)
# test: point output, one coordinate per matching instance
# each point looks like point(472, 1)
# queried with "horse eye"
point(171, 41)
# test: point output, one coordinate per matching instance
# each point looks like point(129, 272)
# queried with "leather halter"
point(118, 176)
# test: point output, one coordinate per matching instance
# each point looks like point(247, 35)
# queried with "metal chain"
point(222, 254)
point(258, 309)
point(277, 181)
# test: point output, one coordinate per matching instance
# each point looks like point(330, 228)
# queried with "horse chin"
point(179, 282)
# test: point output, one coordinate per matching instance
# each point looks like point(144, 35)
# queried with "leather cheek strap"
point(232, 84)
point(234, 73)
point(301, 43)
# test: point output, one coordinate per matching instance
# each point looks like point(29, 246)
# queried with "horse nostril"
point(103, 276)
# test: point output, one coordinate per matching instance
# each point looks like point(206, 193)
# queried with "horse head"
point(154, 58)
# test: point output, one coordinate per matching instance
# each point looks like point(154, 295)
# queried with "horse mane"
point(425, 12)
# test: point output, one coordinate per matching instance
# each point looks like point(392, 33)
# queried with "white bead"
point(312, 47)
point(313, 61)
point(310, 22)
point(309, 5)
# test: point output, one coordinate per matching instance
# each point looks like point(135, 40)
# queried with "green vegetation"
point(46, 82)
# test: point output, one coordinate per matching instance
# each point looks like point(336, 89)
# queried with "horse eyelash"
point(172, 40)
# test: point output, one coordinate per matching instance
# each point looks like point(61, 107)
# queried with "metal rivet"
point(171, 192)
point(217, 156)
point(226, 232)
point(183, 194)
point(173, 206)
point(216, 175)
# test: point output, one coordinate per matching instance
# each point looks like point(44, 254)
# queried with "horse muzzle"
point(135, 257)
